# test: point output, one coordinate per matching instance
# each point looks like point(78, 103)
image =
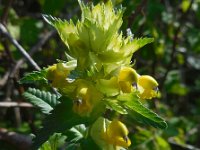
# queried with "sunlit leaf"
point(113, 104)
point(140, 113)
point(34, 77)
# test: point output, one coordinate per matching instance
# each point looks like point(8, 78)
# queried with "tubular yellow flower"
point(81, 103)
point(127, 77)
point(148, 87)
point(86, 97)
point(58, 73)
point(117, 134)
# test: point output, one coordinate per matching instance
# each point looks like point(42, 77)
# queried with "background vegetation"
point(173, 59)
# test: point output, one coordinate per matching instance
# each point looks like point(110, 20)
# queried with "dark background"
point(173, 59)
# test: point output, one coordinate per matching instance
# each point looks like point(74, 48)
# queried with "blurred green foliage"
point(173, 59)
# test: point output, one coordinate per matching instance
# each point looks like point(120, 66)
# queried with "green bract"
point(95, 40)
point(97, 77)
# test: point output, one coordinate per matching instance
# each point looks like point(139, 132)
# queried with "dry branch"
point(15, 104)
point(4, 31)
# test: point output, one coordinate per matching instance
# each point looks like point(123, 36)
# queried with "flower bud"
point(127, 77)
point(117, 134)
point(148, 87)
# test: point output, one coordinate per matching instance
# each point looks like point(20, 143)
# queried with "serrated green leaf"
point(60, 119)
point(136, 44)
point(44, 100)
point(113, 104)
point(143, 41)
point(141, 113)
point(34, 77)
point(51, 20)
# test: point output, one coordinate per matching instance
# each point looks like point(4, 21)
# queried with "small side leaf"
point(141, 113)
point(136, 44)
point(44, 100)
point(35, 76)
point(142, 41)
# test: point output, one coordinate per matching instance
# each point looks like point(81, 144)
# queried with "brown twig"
point(10, 76)
point(9, 81)
point(33, 50)
point(4, 31)
point(7, 50)
point(5, 12)
point(4, 21)
point(42, 41)
point(11, 73)
point(138, 10)
point(15, 104)
point(4, 79)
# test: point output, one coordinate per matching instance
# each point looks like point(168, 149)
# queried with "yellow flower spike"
point(117, 134)
point(148, 87)
point(127, 77)
point(98, 32)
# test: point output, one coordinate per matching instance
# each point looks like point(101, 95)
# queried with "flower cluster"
point(99, 65)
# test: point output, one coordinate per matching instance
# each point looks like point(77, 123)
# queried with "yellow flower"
point(117, 134)
point(57, 74)
point(82, 102)
point(127, 78)
point(86, 97)
point(148, 87)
